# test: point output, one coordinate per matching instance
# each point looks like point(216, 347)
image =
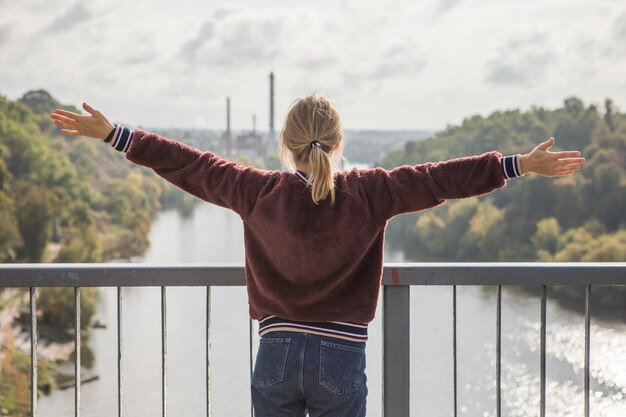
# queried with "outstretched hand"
point(551, 164)
point(95, 124)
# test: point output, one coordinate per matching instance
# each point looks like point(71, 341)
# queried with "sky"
point(392, 64)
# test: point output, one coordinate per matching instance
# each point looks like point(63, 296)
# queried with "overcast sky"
point(393, 64)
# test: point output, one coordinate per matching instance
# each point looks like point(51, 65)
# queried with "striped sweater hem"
point(341, 330)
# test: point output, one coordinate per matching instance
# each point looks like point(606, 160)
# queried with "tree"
point(609, 114)
point(57, 306)
point(10, 238)
point(34, 220)
point(547, 234)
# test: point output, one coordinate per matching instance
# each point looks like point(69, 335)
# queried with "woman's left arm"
point(202, 174)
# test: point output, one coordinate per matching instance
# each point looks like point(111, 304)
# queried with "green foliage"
point(576, 218)
point(15, 378)
point(34, 215)
point(547, 234)
point(129, 202)
point(582, 246)
point(69, 191)
point(10, 238)
point(57, 306)
point(82, 245)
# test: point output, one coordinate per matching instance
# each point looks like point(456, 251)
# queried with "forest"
point(66, 200)
point(577, 218)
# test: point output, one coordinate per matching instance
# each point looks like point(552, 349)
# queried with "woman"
point(314, 240)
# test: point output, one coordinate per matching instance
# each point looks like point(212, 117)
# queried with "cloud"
point(521, 61)
point(204, 35)
point(620, 26)
point(393, 61)
point(144, 57)
point(403, 53)
point(234, 38)
point(619, 32)
point(447, 5)
point(74, 17)
point(5, 33)
point(503, 73)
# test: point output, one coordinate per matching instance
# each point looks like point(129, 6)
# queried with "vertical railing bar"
point(454, 353)
point(163, 352)
point(383, 372)
point(77, 352)
point(208, 351)
point(396, 350)
point(33, 351)
point(119, 351)
point(542, 404)
point(587, 345)
point(499, 352)
point(251, 335)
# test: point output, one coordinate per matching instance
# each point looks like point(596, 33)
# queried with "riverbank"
point(55, 352)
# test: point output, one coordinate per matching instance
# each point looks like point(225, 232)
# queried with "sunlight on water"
point(566, 343)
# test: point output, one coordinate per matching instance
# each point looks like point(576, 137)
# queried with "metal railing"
point(397, 279)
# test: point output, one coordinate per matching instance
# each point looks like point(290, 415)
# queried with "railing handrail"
point(429, 273)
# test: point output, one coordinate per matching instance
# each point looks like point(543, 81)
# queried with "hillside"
point(580, 218)
point(67, 199)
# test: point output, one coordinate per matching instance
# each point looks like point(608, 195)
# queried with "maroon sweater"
point(311, 262)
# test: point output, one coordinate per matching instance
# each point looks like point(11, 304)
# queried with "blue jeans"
point(296, 373)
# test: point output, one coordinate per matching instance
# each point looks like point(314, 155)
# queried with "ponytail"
point(321, 175)
point(312, 136)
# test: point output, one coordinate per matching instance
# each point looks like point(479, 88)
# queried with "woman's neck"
point(303, 168)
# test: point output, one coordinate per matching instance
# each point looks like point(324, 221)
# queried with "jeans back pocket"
point(269, 367)
point(341, 367)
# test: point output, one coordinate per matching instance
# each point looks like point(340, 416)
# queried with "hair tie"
point(315, 143)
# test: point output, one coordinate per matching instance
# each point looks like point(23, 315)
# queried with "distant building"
point(250, 144)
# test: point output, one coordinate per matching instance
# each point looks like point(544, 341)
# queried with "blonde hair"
point(313, 118)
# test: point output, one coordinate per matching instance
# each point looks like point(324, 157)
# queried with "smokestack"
point(228, 126)
point(271, 135)
point(254, 123)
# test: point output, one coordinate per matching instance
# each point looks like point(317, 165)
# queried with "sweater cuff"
point(122, 138)
point(511, 166)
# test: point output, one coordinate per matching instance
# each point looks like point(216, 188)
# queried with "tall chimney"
point(254, 123)
point(271, 134)
point(228, 126)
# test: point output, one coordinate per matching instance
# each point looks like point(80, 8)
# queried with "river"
point(214, 235)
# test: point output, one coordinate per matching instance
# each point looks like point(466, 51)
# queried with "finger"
point(565, 154)
point(62, 124)
point(569, 161)
point(70, 132)
point(566, 173)
point(64, 119)
point(568, 168)
point(546, 145)
point(90, 109)
point(68, 113)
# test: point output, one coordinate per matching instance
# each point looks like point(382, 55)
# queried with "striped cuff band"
point(511, 166)
point(122, 138)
